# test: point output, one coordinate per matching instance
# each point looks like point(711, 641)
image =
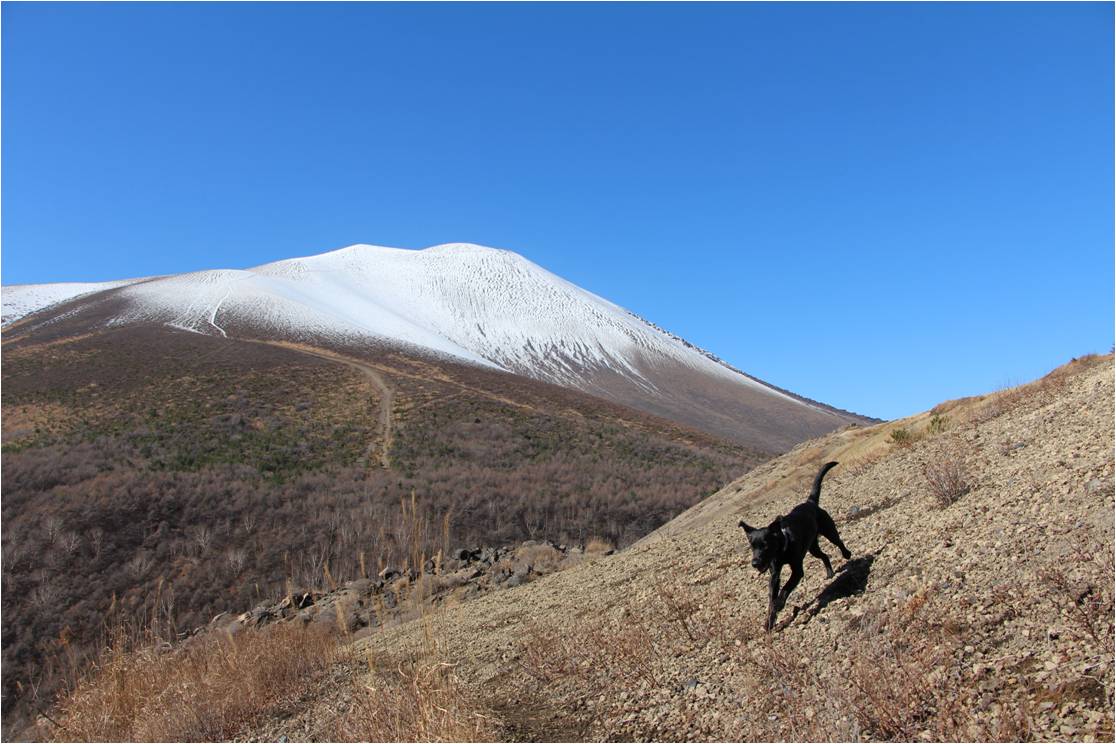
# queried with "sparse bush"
point(948, 478)
point(903, 437)
point(1088, 603)
point(938, 423)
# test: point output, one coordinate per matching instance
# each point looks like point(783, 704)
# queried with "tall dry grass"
point(416, 697)
point(210, 690)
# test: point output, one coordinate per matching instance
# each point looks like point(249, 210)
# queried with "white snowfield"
point(19, 300)
point(482, 305)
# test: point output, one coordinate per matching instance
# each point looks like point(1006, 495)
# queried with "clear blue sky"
point(878, 206)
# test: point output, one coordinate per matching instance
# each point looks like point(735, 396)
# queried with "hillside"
point(990, 617)
point(459, 302)
point(180, 475)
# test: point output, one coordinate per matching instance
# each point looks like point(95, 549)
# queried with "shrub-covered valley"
point(167, 475)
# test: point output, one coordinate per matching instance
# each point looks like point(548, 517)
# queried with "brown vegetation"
point(227, 472)
point(210, 690)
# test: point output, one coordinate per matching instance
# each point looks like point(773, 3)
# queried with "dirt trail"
point(387, 394)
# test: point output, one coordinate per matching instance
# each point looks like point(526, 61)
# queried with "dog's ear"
point(744, 526)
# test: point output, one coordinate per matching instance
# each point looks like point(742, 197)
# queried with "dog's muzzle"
point(759, 566)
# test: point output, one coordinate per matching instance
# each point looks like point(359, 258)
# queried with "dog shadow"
point(851, 579)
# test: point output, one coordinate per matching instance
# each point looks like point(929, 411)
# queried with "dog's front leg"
point(792, 582)
point(773, 600)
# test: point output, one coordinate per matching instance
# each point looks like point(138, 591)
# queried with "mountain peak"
point(481, 305)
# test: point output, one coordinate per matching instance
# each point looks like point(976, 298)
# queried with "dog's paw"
point(846, 554)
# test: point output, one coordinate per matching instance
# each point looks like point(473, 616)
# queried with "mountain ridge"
point(485, 306)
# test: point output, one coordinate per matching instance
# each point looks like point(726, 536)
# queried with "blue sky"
point(878, 206)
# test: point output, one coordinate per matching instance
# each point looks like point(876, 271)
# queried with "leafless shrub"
point(1086, 601)
point(97, 540)
point(202, 537)
point(52, 528)
point(947, 477)
point(70, 542)
point(236, 558)
point(140, 565)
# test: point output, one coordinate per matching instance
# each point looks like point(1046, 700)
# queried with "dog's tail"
point(815, 492)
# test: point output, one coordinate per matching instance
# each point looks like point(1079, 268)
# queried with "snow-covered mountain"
point(19, 300)
point(460, 301)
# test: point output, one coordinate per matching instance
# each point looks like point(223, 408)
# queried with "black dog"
point(787, 539)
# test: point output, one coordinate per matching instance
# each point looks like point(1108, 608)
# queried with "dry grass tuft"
point(417, 701)
point(207, 691)
point(417, 696)
point(598, 545)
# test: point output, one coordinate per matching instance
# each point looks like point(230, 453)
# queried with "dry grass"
point(417, 700)
point(207, 691)
point(907, 681)
point(416, 695)
point(598, 545)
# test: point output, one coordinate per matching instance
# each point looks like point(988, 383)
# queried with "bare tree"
point(236, 559)
point(70, 542)
point(52, 526)
point(202, 537)
point(97, 540)
point(140, 564)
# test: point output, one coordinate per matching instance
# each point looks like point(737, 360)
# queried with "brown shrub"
point(947, 476)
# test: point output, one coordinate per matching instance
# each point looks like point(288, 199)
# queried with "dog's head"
point(766, 542)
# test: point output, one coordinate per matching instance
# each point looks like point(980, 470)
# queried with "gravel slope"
point(987, 618)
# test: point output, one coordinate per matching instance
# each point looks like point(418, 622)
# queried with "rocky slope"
point(986, 618)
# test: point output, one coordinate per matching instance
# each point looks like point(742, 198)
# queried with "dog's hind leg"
point(828, 530)
point(816, 551)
